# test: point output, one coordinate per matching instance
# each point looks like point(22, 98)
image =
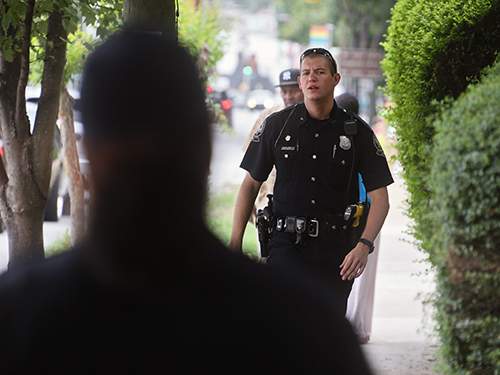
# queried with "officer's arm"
point(355, 261)
point(378, 211)
point(243, 208)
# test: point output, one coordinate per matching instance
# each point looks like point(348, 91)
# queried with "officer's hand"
point(355, 262)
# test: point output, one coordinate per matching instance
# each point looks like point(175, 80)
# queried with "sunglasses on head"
point(320, 52)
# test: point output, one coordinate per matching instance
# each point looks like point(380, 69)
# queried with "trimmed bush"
point(434, 49)
point(465, 185)
point(448, 128)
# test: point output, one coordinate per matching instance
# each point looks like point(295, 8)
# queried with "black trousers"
point(320, 257)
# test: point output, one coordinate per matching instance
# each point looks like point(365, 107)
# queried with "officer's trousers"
point(320, 257)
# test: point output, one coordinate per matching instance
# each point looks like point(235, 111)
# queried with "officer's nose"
point(313, 77)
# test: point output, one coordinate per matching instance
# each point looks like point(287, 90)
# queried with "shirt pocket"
point(340, 163)
point(286, 162)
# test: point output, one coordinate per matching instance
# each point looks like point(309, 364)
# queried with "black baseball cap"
point(289, 77)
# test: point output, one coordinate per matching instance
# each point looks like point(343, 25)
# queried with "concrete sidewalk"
point(401, 342)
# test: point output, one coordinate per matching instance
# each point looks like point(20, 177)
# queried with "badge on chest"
point(344, 143)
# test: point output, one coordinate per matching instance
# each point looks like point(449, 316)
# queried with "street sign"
point(360, 63)
point(320, 36)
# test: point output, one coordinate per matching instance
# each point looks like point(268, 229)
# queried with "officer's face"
point(291, 95)
point(316, 79)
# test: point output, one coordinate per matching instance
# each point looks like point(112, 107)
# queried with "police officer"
point(316, 156)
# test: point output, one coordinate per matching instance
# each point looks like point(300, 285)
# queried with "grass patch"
point(220, 220)
point(58, 246)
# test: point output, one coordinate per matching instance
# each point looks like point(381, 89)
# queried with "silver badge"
point(287, 138)
point(345, 143)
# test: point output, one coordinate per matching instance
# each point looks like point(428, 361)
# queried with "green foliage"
point(220, 218)
point(104, 15)
point(298, 16)
point(78, 47)
point(357, 23)
point(200, 31)
point(418, 34)
point(11, 14)
point(465, 186)
point(360, 23)
point(449, 149)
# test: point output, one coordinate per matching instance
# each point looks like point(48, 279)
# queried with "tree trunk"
point(72, 167)
point(151, 15)
point(27, 157)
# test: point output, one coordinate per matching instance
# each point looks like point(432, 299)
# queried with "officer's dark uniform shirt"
point(314, 160)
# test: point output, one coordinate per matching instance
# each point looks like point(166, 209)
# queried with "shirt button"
point(316, 135)
point(342, 162)
point(313, 201)
point(286, 156)
point(314, 156)
point(313, 179)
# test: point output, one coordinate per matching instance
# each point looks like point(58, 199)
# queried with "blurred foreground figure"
point(152, 291)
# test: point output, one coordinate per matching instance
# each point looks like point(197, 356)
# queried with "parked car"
point(223, 101)
point(260, 99)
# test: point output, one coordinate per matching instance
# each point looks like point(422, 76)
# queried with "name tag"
point(288, 148)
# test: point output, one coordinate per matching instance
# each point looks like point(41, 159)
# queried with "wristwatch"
point(368, 243)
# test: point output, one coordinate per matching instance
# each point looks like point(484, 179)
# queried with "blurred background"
point(262, 38)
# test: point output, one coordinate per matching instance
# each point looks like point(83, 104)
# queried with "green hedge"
point(449, 145)
point(465, 185)
point(434, 49)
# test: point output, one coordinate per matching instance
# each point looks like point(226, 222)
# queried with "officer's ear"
point(336, 78)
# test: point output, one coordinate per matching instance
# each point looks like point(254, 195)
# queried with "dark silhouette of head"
point(348, 102)
point(147, 134)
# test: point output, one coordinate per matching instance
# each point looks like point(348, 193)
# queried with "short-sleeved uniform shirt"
point(315, 160)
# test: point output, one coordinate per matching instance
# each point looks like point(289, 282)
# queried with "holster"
point(264, 222)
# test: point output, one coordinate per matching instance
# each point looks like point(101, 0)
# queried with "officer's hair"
point(314, 52)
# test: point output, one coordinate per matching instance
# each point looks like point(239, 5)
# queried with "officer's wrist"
point(368, 244)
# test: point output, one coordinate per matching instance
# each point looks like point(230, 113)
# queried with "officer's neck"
point(319, 109)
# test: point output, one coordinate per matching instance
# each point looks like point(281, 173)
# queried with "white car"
point(261, 99)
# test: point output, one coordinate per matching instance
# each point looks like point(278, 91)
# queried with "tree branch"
point(48, 105)
point(24, 68)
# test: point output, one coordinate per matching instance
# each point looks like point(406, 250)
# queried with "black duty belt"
point(309, 226)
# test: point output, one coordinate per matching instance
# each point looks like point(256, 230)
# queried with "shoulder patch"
point(378, 147)
point(258, 134)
